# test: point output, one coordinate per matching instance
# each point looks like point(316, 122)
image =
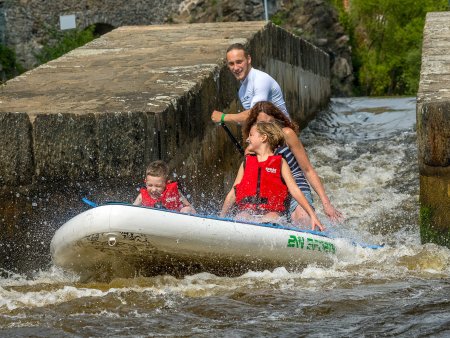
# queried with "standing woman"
point(297, 159)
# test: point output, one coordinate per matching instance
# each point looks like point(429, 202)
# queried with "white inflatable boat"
point(122, 240)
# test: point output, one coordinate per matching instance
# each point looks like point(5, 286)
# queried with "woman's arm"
point(296, 193)
point(297, 148)
point(231, 196)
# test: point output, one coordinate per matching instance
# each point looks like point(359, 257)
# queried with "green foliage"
point(9, 67)
point(278, 18)
point(386, 38)
point(62, 42)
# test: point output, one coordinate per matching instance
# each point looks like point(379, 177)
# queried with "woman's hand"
point(332, 213)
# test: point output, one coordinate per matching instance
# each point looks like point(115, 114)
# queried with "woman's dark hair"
point(270, 109)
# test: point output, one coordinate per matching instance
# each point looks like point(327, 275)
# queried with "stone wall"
point(88, 123)
point(433, 130)
point(26, 24)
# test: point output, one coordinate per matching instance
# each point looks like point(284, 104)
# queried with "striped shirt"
point(297, 172)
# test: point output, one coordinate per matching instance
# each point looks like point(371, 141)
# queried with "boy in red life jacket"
point(160, 192)
point(264, 180)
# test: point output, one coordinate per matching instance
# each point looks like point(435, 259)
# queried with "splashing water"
point(364, 149)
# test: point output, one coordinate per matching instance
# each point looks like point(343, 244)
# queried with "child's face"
point(255, 139)
point(155, 185)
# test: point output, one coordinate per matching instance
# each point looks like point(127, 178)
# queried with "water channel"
point(365, 151)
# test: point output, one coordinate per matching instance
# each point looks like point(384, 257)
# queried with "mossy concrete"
point(433, 129)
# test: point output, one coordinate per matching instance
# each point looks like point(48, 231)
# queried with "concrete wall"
point(88, 123)
point(433, 129)
point(305, 80)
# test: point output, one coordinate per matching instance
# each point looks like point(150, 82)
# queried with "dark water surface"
point(365, 151)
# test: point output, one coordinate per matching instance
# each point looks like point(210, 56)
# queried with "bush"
point(9, 67)
point(386, 38)
point(62, 42)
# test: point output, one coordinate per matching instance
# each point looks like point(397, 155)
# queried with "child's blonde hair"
point(274, 133)
point(158, 169)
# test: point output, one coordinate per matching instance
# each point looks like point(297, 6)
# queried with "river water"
point(365, 151)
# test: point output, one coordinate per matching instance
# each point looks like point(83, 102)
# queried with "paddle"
point(90, 203)
point(230, 135)
point(233, 139)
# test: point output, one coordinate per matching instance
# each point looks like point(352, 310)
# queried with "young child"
point(295, 155)
point(161, 193)
point(264, 180)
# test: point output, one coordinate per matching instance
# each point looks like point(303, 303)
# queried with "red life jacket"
point(170, 198)
point(262, 187)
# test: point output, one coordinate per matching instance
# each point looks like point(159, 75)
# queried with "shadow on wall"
point(102, 28)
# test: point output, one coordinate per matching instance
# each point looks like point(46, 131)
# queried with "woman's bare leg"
point(300, 218)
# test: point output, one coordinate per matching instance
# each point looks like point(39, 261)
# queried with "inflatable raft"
point(122, 240)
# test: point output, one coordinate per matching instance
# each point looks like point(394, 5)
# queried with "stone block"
point(121, 143)
point(65, 146)
point(16, 155)
point(433, 120)
point(435, 196)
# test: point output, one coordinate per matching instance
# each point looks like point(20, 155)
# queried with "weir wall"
point(88, 123)
point(433, 130)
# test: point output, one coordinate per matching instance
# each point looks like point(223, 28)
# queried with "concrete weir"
point(433, 130)
point(89, 122)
